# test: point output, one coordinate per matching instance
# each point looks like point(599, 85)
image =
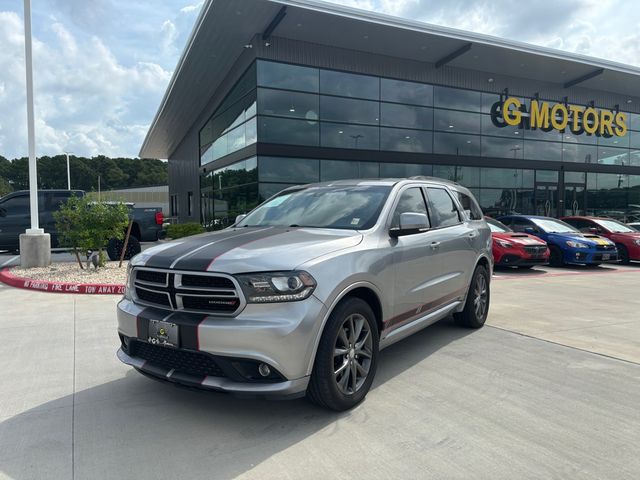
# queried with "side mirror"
point(530, 230)
point(239, 218)
point(410, 223)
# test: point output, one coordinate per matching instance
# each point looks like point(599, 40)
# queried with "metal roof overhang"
point(225, 26)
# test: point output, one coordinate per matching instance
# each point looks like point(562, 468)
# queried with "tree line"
point(114, 173)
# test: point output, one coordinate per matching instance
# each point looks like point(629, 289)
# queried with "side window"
point(519, 224)
point(411, 201)
point(469, 206)
point(442, 208)
point(16, 206)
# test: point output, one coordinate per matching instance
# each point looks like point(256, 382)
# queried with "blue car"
point(566, 244)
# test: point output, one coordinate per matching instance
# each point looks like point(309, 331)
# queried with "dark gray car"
point(299, 296)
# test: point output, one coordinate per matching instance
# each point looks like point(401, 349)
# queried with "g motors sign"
point(548, 116)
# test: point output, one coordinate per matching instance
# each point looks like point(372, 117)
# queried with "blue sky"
point(102, 66)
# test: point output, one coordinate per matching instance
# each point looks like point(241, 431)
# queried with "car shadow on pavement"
point(518, 272)
point(134, 426)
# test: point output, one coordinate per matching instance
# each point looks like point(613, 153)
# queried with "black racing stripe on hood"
point(201, 259)
point(165, 258)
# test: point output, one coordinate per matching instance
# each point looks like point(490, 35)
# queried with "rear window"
point(469, 206)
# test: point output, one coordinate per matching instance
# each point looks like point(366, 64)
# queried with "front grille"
point(209, 303)
point(183, 361)
point(536, 250)
point(152, 276)
point(207, 293)
point(606, 247)
point(206, 281)
point(157, 298)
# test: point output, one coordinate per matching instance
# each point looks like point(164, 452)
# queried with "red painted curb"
point(59, 287)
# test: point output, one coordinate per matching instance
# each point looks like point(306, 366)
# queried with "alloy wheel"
point(352, 354)
point(480, 295)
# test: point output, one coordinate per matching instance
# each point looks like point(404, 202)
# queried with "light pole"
point(68, 171)
point(35, 245)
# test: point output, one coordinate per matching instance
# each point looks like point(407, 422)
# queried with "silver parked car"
point(301, 294)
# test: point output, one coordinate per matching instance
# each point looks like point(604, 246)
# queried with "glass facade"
point(282, 104)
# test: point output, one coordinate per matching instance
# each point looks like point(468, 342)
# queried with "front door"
point(414, 259)
point(546, 199)
point(574, 199)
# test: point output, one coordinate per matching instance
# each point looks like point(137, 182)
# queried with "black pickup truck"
point(15, 217)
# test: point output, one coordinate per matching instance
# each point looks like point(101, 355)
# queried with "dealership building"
point(273, 93)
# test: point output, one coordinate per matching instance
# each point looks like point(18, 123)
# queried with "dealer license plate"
point(606, 256)
point(162, 333)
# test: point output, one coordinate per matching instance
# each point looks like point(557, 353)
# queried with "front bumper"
point(280, 390)
point(516, 259)
point(281, 335)
point(591, 256)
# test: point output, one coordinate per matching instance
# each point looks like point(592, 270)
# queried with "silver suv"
point(300, 295)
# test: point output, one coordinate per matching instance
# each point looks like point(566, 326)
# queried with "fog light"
point(264, 370)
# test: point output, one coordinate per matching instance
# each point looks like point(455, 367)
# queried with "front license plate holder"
point(164, 334)
point(606, 256)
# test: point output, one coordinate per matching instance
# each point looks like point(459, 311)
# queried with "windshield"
point(550, 225)
point(614, 226)
point(346, 207)
point(496, 226)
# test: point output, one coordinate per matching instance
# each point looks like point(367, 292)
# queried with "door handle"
point(434, 245)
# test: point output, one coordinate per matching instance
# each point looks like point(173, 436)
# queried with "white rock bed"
point(70, 273)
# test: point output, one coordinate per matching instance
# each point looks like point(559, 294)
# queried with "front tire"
point(623, 255)
point(555, 257)
point(347, 356)
point(476, 308)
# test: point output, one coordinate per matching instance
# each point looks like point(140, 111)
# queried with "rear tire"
point(623, 255)
point(114, 248)
point(555, 257)
point(476, 307)
point(347, 357)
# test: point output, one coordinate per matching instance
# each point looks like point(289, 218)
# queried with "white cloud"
point(192, 8)
point(86, 101)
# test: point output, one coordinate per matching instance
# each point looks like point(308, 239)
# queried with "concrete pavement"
point(507, 401)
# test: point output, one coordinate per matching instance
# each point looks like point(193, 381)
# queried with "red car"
point(627, 240)
point(511, 249)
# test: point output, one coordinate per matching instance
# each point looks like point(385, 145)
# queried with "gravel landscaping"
point(70, 273)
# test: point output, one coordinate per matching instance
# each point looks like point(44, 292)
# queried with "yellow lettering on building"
point(590, 120)
point(606, 122)
point(621, 124)
point(512, 116)
point(539, 114)
point(576, 112)
point(559, 116)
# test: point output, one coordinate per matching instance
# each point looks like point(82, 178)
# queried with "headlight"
point(274, 287)
point(128, 284)
point(574, 244)
point(504, 244)
point(637, 241)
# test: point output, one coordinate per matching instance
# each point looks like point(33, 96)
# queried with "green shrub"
point(184, 230)
point(88, 225)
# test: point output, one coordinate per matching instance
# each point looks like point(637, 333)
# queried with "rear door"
point(453, 237)
point(14, 220)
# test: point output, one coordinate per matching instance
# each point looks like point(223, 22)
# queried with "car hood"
point(252, 249)
point(518, 238)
